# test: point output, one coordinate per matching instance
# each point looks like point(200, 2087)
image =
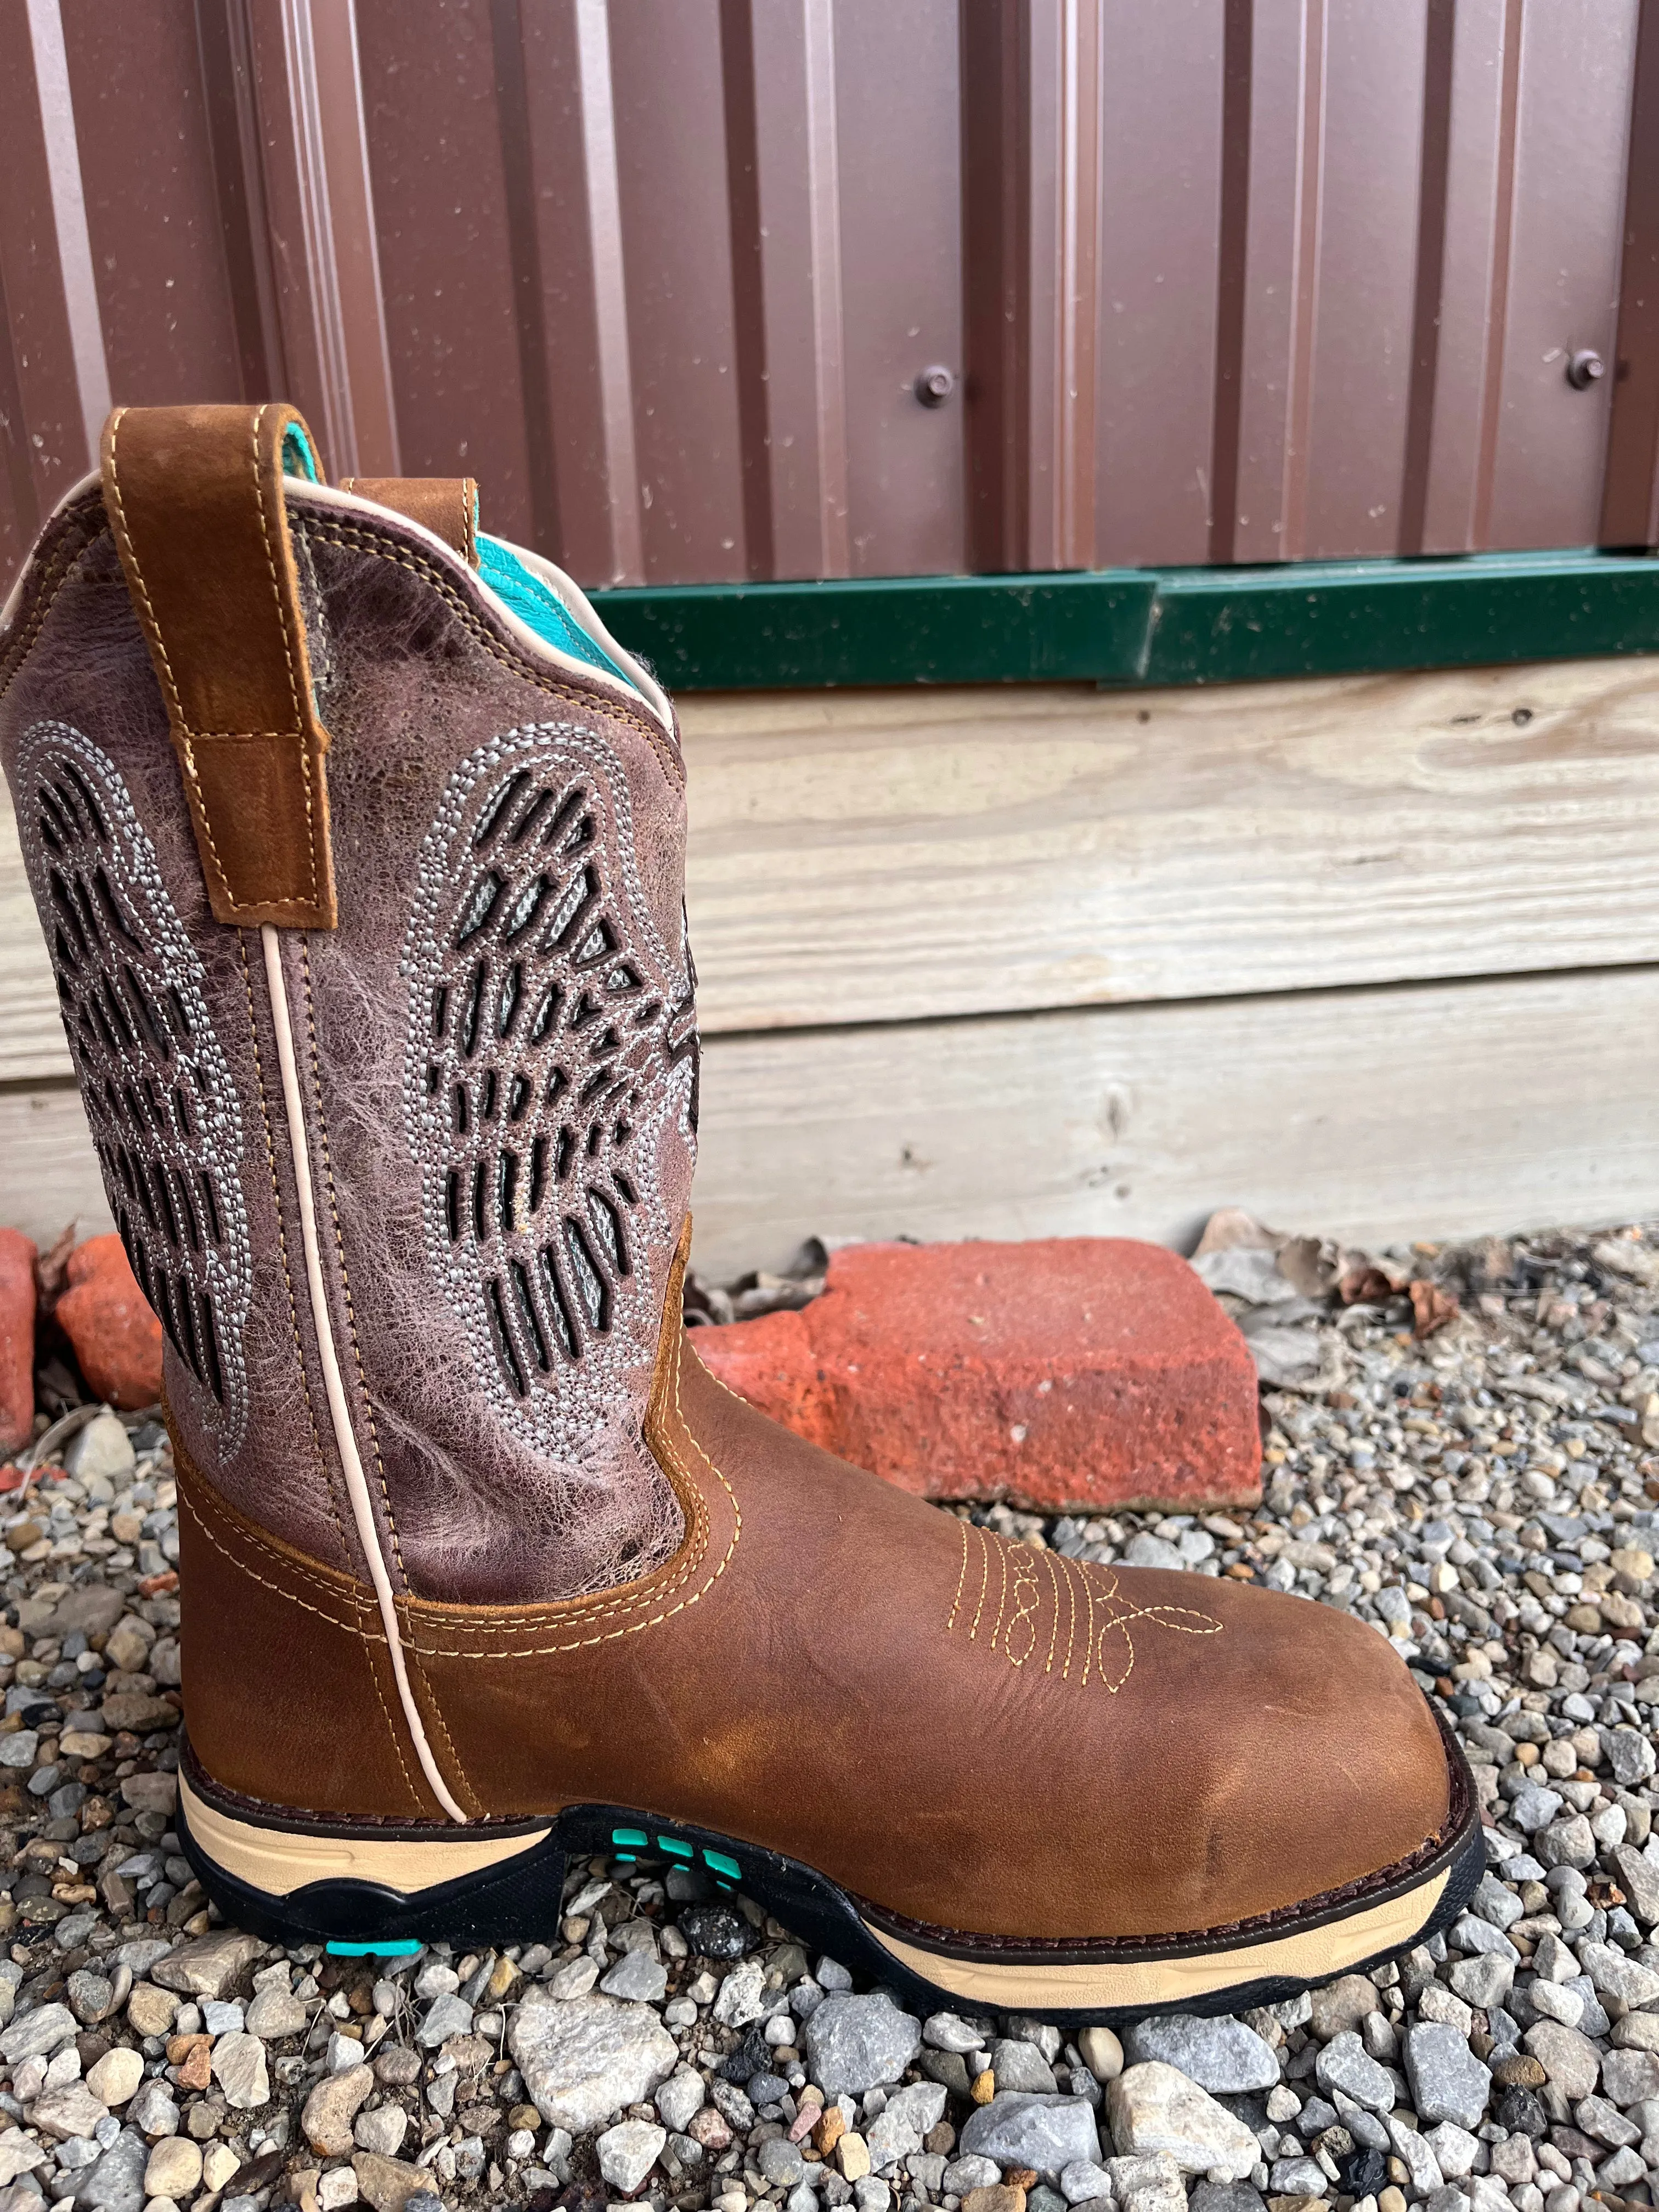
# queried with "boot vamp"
point(964, 1731)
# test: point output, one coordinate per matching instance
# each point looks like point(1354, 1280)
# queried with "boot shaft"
point(406, 1187)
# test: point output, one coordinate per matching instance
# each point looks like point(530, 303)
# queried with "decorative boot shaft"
point(408, 1187)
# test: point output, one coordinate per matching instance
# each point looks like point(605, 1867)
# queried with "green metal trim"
point(1143, 626)
point(897, 629)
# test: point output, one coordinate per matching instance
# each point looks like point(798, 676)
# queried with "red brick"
point(16, 1339)
point(117, 1339)
point(1083, 1371)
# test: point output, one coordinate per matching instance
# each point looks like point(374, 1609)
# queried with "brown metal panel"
point(898, 104)
point(152, 202)
point(748, 236)
point(1577, 61)
point(1497, 293)
point(1248, 279)
point(1629, 496)
point(1471, 80)
point(19, 511)
point(51, 304)
point(318, 206)
point(1439, 30)
point(326, 87)
point(996, 218)
point(1360, 380)
point(1232, 258)
point(559, 143)
point(62, 149)
point(1286, 137)
point(787, 262)
point(1161, 163)
point(676, 258)
point(1065, 74)
point(230, 101)
point(440, 218)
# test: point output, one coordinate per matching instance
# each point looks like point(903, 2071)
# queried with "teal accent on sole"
point(406, 1949)
point(630, 1839)
point(722, 1864)
point(675, 1850)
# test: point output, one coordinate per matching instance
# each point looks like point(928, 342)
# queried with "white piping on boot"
point(362, 1511)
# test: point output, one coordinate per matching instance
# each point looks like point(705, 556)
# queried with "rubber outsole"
point(369, 1888)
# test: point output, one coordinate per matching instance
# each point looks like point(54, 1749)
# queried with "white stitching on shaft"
point(362, 1512)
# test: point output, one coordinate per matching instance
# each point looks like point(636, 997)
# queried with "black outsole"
point(520, 1899)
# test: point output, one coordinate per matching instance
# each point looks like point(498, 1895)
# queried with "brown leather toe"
point(961, 1731)
point(1062, 1751)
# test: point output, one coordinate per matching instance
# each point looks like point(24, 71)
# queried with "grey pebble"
point(116, 2183)
point(1343, 2064)
point(1047, 2133)
point(636, 1975)
point(1018, 2066)
point(780, 2162)
point(1449, 2082)
point(855, 2043)
point(1221, 2055)
point(446, 2016)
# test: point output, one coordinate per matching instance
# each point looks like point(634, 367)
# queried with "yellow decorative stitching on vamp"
point(1028, 1580)
point(1022, 1629)
point(962, 1577)
point(984, 1582)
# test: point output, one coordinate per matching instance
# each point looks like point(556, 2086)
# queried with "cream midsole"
point(1317, 1955)
point(278, 1863)
point(272, 1860)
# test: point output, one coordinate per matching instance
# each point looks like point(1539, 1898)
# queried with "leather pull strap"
point(195, 498)
point(446, 506)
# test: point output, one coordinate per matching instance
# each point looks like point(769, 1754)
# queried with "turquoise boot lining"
point(298, 458)
point(532, 602)
point(501, 569)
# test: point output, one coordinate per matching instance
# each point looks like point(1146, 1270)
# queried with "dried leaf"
point(1311, 1264)
point(1230, 1228)
point(1433, 1307)
point(51, 1269)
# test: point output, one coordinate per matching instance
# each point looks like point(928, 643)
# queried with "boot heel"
point(369, 1889)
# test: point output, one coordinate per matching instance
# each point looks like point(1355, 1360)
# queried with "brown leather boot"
point(358, 845)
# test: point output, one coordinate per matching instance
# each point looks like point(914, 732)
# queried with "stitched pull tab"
point(446, 506)
point(195, 498)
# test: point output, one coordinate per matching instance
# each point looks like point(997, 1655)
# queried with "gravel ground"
point(1484, 1494)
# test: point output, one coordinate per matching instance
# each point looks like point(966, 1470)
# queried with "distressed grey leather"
point(496, 1210)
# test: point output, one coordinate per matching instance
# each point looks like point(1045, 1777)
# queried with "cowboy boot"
point(358, 846)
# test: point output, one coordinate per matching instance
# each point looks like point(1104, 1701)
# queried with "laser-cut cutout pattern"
point(164, 1114)
point(551, 1043)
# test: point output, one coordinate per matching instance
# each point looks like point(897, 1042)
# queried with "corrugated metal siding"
point(1219, 280)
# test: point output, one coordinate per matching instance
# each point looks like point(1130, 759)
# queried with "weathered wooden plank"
point(1428, 1110)
point(48, 1174)
point(861, 856)
point(1437, 1110)
point(31, 1036)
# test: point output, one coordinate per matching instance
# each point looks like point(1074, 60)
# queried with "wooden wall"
point(1370, 955)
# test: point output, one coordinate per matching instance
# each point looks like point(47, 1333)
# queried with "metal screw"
point(934, 387)
point(1584, 369)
